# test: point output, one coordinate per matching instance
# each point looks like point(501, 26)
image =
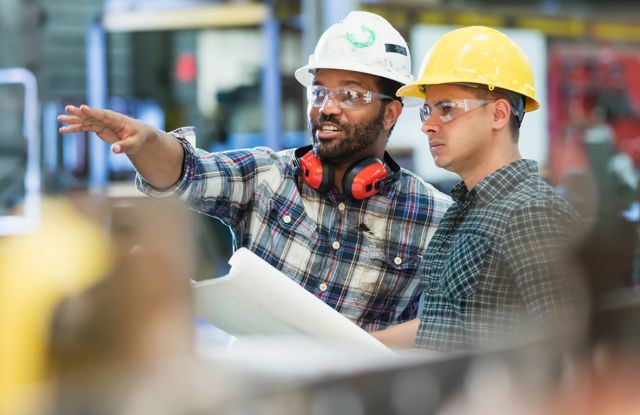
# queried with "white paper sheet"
point(255, 299)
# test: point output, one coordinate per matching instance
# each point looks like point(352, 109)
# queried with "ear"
point(391, 113)
point(501, 114)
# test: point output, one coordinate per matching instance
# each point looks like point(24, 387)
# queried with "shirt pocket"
point(289, 239)
point(388, 268)
point(465, 265)
point(290, 219)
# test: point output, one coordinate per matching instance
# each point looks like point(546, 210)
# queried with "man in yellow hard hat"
point(339, 217)
point(496, 263)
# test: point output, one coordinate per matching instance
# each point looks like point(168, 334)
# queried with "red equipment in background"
point(580, 80)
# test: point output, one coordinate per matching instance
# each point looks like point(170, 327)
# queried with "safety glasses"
point(449, 109)
point(342, 96)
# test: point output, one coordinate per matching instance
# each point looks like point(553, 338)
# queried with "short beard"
point(357, 137)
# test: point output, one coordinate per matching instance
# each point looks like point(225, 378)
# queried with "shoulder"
point(537, 208)
point(531, 207)
point(257, 158)
point(537, 194)
point(416, 186)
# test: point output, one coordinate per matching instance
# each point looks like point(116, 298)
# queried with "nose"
point(329, 106)
point(429, 126)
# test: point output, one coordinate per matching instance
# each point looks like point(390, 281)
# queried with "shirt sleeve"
point(223, 184)
point(538, 252)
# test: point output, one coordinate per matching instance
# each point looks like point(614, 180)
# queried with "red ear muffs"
point(314, 172)
point(361, 180)
point(366, 177)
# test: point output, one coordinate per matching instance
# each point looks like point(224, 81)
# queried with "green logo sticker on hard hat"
point(364, 39)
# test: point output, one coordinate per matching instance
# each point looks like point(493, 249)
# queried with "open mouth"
point(328, 131)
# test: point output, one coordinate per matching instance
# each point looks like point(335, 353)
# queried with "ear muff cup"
point(363, 178)
point(314, 172)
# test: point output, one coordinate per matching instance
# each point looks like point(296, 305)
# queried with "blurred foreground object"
point(64, 256)
point(132, 332)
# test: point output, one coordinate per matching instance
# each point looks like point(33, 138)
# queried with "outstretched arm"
point(156, 155)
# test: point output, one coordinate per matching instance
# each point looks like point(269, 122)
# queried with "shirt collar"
point(500, 182)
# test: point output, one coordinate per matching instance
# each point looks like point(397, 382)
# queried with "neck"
point(486, 167)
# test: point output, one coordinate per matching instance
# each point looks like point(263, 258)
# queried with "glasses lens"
point(345, 98)
point(450, 109)
point(342, 97)
point(316, 95)
point(425, 112)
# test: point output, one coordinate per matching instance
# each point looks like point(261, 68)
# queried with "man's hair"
point(516, 101)
point(389, 87)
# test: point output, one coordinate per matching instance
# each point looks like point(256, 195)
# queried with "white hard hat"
point(361, 42)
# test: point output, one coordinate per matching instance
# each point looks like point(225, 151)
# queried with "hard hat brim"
point(305, 74)
point(411, 90)
point(415, 89)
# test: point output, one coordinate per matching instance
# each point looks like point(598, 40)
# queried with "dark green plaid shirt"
point(496, 260)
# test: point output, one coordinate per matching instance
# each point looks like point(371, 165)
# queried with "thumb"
point(126, 146)
point(118, 147)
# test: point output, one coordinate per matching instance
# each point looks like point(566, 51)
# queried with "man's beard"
point(356, 137)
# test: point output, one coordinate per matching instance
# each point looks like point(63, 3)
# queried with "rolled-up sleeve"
point(221, 184)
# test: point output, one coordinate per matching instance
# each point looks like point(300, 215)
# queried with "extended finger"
point(73, 110)
point(70, 119)
point(105, 116)
point(77, 128)
point(73, 128)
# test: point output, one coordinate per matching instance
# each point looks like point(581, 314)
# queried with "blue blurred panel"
point(50, 112)
point(97, 97)
point(271, 83)
point(73, 151)
point(295, 139)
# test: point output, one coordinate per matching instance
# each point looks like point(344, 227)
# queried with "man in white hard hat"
point(339, 217)
point(498, 266)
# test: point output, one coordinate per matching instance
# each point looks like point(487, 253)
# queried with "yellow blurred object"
point(65, 255)
point(478, 55)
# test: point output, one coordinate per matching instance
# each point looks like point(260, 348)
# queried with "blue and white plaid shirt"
point(360, 257)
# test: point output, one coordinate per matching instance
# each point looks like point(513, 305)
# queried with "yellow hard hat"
point(478, 55)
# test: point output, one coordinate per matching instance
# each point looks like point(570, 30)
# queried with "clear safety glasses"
point(449, 109)
point(342, 96)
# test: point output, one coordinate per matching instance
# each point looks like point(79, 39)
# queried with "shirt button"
point(341, 206)
point(286, 219)
point(323, 287)
point(335, 244)
point(397, 260)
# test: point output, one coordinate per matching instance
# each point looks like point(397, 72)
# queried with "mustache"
point(327, 118)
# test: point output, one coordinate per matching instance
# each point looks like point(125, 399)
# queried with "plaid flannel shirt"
point(496, 262)
point(359, 257)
